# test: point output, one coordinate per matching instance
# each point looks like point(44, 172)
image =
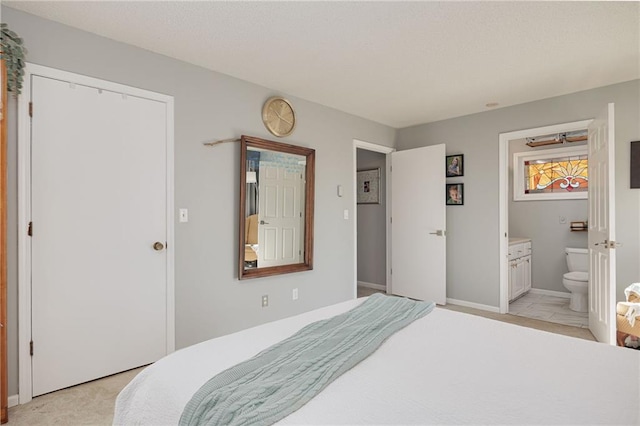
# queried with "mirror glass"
point(276, 208)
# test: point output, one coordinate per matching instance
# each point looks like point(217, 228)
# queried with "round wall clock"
point(278, 116)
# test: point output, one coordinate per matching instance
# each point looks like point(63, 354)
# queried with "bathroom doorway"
point(546, 209)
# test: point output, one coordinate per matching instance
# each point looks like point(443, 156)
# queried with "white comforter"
point(445, 368)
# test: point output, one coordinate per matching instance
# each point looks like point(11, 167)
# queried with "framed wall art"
point(368, 190)
point(455, 194)
point(455, 165)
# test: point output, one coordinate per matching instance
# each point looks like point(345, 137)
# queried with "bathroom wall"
point(540, 221)
point(372, 236)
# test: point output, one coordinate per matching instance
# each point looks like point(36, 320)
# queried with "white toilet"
point(577, 279)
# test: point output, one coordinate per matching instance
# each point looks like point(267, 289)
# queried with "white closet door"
point(99, 288)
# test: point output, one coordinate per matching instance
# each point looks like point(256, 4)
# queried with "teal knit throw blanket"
point(284, 377)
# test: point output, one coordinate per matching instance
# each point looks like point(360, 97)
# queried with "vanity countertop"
point(518, 240)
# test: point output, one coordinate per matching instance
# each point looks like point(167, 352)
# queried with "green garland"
point(12, 51)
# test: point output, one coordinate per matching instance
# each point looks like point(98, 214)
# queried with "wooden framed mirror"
point(276, 208)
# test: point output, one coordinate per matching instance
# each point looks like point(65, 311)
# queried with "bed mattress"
point(445, 368)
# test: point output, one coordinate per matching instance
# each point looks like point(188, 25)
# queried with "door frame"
point(360, 144)
point(504, 140)
point(24, 208)
point(4, 397)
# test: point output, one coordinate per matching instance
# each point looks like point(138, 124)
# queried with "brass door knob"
point(158, 246)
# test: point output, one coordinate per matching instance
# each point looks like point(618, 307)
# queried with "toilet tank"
point(577, 259)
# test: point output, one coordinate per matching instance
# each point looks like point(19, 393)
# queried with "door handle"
point(608, 244)
point(439, 233)
point(158, 246)
point(262, 222)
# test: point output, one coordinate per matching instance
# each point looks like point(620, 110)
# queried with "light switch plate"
point(346, 214)
point(184, 215)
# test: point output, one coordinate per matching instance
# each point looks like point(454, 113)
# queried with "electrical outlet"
point(265, 300)
point(294, 294)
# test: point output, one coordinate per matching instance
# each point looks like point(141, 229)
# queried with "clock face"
point(278, 116)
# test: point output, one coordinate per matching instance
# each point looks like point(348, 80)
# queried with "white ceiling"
point(396, 63)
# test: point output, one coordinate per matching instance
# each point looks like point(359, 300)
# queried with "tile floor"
point(548, 308)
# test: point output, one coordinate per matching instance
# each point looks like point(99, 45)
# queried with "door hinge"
point(30, 109)
point(391, 271)
point(390, 220)
point(31, 348)
point(30, 229)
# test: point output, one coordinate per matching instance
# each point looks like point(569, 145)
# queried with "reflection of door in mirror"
point(280, 212)
point(276, 202)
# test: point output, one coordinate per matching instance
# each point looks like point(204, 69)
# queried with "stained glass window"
point(556, 175)
point(551, 174)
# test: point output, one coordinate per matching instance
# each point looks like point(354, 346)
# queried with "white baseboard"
point(371, 285)
point(14, 400)
point(474, 305)
point(550, 293)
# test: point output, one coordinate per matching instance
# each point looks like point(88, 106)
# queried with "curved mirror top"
point(276, 208)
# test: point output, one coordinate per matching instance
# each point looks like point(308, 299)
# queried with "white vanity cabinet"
point(519, 267)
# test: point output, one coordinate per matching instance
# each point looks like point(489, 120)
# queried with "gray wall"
point(210, 301)
point(473, 229)
point(540, 221)
point(372, 232)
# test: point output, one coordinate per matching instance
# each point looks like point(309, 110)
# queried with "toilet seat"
point(577, 276)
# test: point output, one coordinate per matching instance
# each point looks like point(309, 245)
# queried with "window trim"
point(519, 159)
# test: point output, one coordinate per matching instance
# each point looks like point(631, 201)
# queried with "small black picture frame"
point(455, 165)
point(368, 186)
point(454, 194)
point(635, 165)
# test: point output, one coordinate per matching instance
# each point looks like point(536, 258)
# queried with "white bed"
point(445, 368)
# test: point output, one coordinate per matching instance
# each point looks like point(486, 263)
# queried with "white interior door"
point(279, 215)
point(602, 235)
point(418, 251)
point(99, 202)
